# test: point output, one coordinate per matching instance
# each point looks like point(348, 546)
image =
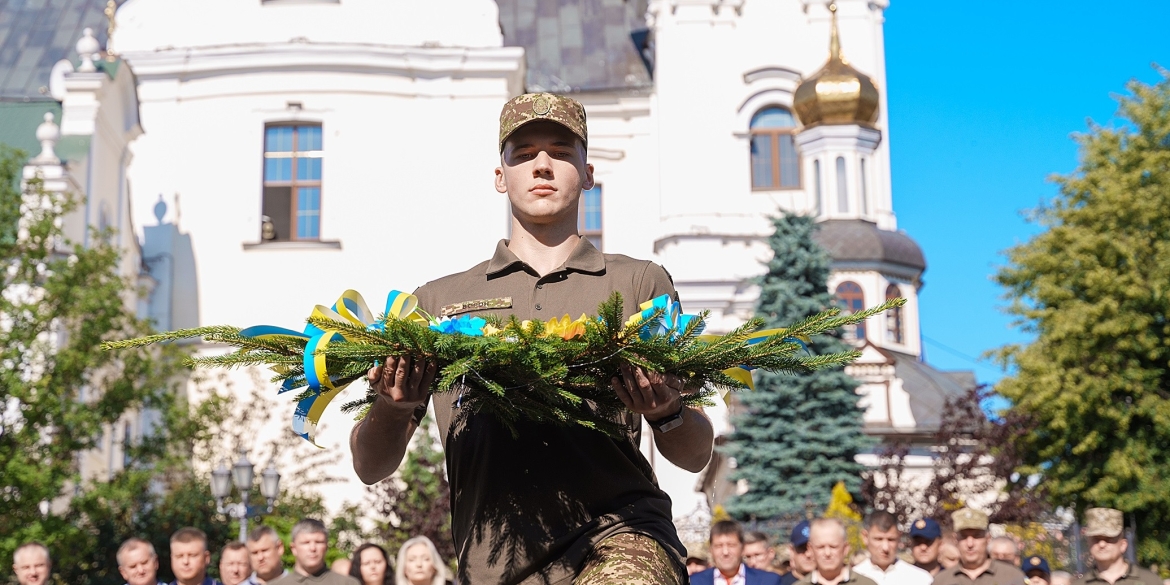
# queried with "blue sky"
point(984, 98)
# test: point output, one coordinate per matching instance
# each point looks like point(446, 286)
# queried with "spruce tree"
point(800, 433)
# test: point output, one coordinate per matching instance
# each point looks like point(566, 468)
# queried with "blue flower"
point(464, 324)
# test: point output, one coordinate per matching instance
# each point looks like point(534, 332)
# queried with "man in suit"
point(727, 553)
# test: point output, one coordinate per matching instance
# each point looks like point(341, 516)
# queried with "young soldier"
point(554, 503)
point(1105, 528)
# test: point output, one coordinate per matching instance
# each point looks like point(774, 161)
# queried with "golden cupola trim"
point(837, 93)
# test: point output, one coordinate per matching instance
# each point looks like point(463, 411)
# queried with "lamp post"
point(241, 475)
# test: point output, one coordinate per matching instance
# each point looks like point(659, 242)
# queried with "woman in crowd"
point(419, 563)
point(371, 565)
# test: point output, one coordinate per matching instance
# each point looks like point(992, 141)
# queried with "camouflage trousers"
point(629, 559)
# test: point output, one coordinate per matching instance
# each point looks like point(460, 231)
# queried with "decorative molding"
point(414, 62)
point(293, 245)
point(772, 72)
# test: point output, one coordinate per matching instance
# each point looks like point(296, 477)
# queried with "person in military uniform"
point(1036, 570)
point(976, 567)
point(1105, 527)
point(550, 504)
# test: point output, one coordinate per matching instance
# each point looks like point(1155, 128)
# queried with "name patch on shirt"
point(481, 304)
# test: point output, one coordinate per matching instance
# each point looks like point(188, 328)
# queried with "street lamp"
point(241, 475)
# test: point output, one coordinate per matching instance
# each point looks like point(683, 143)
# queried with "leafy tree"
point(974, 456)
point(842, 508)
point(60, 395)
point(800, 433)
point(1093, 289)
point(416, 501)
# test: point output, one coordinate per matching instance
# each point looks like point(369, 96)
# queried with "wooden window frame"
point(895, 319)
point(773, 135)
point(294, 184)
point(858, 331)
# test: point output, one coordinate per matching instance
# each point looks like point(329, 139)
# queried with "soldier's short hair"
point(755, 536)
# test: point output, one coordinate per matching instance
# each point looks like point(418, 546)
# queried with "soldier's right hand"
point(403, 382)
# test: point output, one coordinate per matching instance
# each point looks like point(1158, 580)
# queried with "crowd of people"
point(818, 552)
point(259, 561)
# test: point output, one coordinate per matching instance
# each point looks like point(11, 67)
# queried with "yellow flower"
point(491, 330)
point(564, 328)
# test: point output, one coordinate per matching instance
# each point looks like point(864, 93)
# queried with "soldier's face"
point(31, 567)
point(1106, 550)
point(543, 171)
point(972, 547)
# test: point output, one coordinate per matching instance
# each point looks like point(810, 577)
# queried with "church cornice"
point(419, 62)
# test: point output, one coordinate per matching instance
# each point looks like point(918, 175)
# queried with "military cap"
point(1103, 522)
point(1035, 564)
point(968, 519)
point(800, 533)
point(925, 528)
point(547, 107)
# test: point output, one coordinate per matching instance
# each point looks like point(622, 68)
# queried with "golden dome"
point(838, 93)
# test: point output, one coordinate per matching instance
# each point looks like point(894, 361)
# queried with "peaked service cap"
point(546, 107)
point(1103, 522)
point(968, 519)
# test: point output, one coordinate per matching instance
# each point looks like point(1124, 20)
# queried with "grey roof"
point(578, 45)
point(929, 388)
point(35, 34)
point(856, 240)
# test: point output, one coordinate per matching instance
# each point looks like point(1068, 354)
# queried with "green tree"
point(60, 395)
point(1093, 289)
point(800, 433)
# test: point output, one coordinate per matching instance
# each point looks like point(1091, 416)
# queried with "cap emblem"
point(1034, 560)
point(541, 107)
point(920, 524)
point(804, 531)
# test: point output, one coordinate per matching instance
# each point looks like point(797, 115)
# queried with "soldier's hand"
point(403, 382)
point(650, 394)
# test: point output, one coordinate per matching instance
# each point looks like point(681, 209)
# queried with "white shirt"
point(740, 577)
point(898, 573)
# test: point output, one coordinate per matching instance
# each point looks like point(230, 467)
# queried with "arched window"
point(775, 162)
point(852, 300)
point(894, 328)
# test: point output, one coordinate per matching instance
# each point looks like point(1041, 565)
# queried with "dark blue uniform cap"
point(1035, 564)
point(800, 534)
point(926, 528)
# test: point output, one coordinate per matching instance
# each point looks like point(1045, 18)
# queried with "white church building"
point(262, 156)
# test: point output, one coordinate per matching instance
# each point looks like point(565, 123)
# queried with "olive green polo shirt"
point(1134, 576)
point(852, 577)
point(998, 573)
point(529, 509)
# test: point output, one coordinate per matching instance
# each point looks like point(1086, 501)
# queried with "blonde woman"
point(419, 563)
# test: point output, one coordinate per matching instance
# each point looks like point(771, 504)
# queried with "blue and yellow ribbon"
point(351, 309)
